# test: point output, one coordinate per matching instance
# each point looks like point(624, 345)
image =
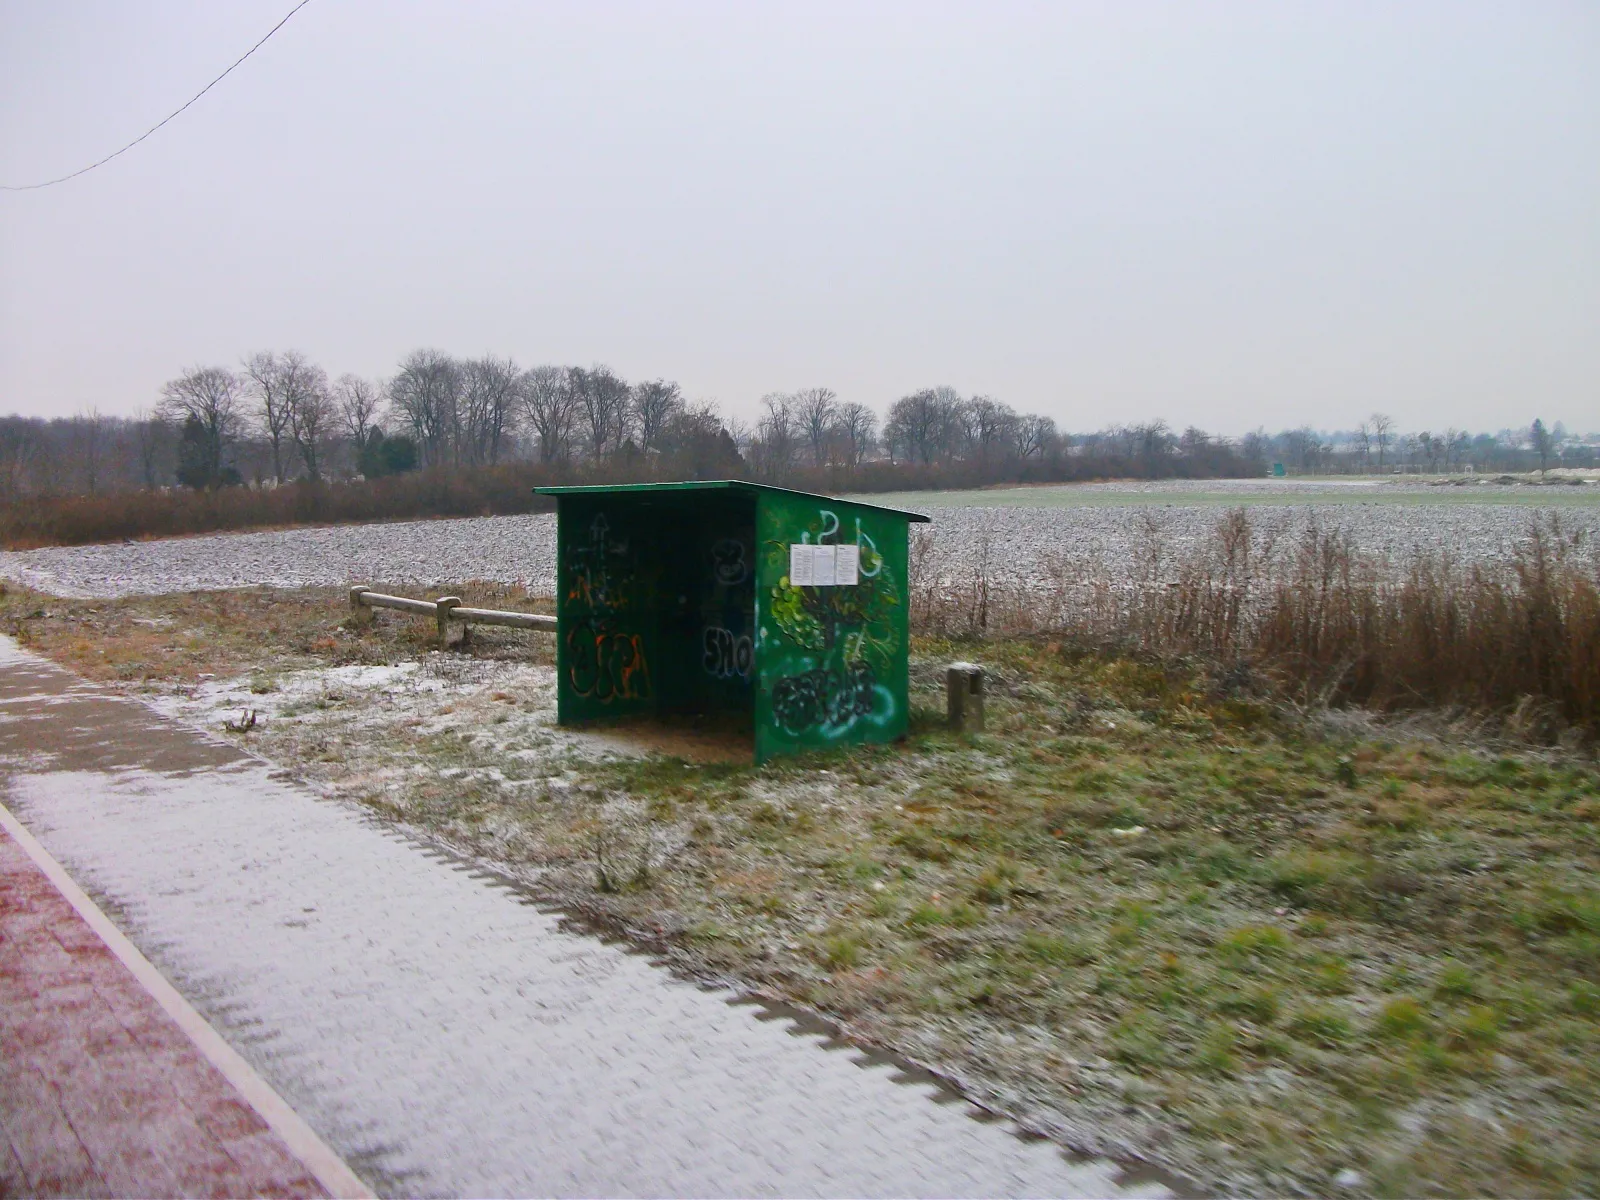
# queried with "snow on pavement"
point(439, 1030)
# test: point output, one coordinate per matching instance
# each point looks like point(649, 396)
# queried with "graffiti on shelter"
point(822, 698)
point(834, 655)
point(819, 619)
point(729, 565)
point(726, 654)
point(595, 578)
point(606, 664)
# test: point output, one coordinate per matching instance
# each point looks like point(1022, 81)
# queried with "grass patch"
point(1146, 896)
point(1321, 1026)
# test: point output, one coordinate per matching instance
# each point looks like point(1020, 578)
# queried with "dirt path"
point(440, 1032)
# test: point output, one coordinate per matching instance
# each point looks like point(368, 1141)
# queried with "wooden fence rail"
point(449, 608)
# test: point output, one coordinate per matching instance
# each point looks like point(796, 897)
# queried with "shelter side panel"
point(722, 641)
point(606, 594)
point(831, 625)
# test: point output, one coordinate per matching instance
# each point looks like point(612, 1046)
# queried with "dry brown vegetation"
point(1321, 620)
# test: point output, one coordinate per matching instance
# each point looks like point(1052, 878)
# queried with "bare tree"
point(700, 444)
point(425, 392)
point(1543, 444)
point(1451, 445)
point(914, 425)
point(655, 405)
point(207, 400)
point(1036, 436)
point(19, 446)
point(1256, 448)
point(774, 442)
point(550, 404)
point(1427, 448)
point(1363, 443)
point(266, 374)
point(89, 435)
point(1154, 442)
point(990, 426)
point(950, 436)
point(1382, 426)
point(813, 410)
point(358, 401)
point(311, 412)
point(152, 442)
point(488, 407)
point(855, 426)
point(927, 425)
point(741, 431)
point(602, 398)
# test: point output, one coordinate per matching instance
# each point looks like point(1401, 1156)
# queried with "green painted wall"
point(830, 661)
point(680, 601)
point(655, 604)
point(606, 593)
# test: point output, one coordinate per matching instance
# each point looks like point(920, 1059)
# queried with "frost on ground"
point(1162, 929)
point(448, 1038)
point(436, 740)
point(1011, 543)
point(378, 734)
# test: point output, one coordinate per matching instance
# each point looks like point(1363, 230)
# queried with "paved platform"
point(101, 1092)
point(442, 1032)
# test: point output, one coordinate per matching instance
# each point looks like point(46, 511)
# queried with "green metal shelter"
point(779, 607)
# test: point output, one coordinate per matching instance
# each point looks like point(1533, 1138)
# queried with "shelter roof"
point(737, 485)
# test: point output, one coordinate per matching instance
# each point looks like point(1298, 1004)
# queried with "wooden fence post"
point(963, 683)
point(442, 607)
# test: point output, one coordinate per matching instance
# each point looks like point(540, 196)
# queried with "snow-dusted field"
point(1019, 545)
point(1017, 539)
point(507, 549)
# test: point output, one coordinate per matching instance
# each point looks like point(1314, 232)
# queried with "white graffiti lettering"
point(726, 654)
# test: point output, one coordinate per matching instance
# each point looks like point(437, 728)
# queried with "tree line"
point(280, 419)
point(1375, 446)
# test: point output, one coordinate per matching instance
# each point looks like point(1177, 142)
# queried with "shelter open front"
point(776, 616)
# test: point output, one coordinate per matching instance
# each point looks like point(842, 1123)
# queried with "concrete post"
point(442, 607)
point(963, 683)
point(358, 611)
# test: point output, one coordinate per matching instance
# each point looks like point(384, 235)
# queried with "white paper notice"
point(800, 560)
point(822, 566)
point(847, 565)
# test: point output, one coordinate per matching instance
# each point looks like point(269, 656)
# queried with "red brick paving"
point(101, 1093)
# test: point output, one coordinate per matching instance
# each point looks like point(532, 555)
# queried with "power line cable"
point(28, 187)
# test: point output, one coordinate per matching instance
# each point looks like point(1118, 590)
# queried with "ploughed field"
point(1012, 536)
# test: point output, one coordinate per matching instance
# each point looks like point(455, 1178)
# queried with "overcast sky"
point(1223, 214)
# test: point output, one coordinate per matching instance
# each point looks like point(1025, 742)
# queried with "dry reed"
point(1519, 636)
